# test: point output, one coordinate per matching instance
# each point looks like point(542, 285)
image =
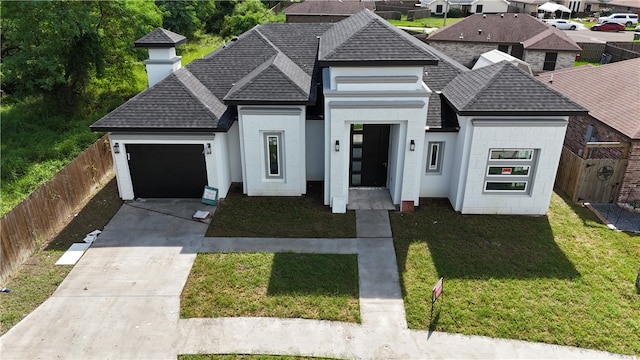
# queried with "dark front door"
point(369, 155)
point(167, 170)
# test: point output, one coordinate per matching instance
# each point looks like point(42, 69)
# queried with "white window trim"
point(266, 137)
point(437, 169)
point(508, 178)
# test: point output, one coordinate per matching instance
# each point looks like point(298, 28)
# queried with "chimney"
point(163, 60)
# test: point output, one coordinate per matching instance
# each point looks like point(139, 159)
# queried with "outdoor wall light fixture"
point(208, 148)
point(116, 148)
point(412, 146)
point(337, 147)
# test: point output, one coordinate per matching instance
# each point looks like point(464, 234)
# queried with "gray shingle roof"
point(439, 114)
point(179, 102)
point(323, 7)
point(160, 38)
point(277, 80)
point(365, 38)
point(507, 29)
point(504, 89)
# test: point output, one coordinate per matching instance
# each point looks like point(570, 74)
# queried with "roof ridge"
point(288, 60)
point(486, 84)
point(366, 24)
point(179, 73)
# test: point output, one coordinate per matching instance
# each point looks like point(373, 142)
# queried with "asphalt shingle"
point(506, 29)
point(608, 91)
point(365, 38)
point(168, 105)
point(505, 89)
point(160, 38)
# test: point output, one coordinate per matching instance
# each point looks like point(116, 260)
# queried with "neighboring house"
point(624, 6)
point(595, 5)
point(358, 103)
point(522, 36)
point(610, 93)
point(439, 7)
point(526, 6)
point(311, 11)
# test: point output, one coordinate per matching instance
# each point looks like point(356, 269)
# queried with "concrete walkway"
point(122, 300)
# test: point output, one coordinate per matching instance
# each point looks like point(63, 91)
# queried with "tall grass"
point(37, 140)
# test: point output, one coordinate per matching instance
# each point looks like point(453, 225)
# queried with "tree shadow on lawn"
point(481, 246)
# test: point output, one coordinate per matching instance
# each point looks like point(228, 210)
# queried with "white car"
point(624, 19)
point(562, 24)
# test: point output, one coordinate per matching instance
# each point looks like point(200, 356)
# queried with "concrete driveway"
point(122, 299)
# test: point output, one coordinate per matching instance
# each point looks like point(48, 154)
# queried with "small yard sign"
point(210, 196)
point(437, 291)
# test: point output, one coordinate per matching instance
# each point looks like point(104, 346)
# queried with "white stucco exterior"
point(437, 184)
point(478, 136)
point(217, 164)
point(289, 122)
point(162, 62)
point(394, 96)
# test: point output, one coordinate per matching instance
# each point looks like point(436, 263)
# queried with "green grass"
point(581, 63)
point(563, 279)
point(242, 357)
point(434, 22)
point(283, 285)
point(39, 277)
point(242, 216)
point(35, 142)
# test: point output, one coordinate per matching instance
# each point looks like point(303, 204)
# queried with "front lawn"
point(304, 216)
point(283, 285)
point(563, 279)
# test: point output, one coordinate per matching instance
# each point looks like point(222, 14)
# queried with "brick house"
point(610, 93)
point(316, 11)
point(544, 47)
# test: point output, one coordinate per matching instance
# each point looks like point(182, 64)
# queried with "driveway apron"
point(122, 298)
point(122, 301)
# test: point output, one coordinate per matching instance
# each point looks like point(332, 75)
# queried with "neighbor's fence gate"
point(592, 180)
point(39, 217)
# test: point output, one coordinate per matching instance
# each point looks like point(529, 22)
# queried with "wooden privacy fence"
point(592, 180)
point(39, 217)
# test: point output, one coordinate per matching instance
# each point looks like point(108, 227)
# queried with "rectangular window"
point(438, 9)
point(434, 157)
point(510, 171)
point(478, 9)
point(273, 154)
point(503, 48)
point(550, 61)
point(511, 154)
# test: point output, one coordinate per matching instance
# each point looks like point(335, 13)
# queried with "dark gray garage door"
point(167, 171)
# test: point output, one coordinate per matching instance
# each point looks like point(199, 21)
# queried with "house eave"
point(157, 129)
point(520, 113)
point(361, 63)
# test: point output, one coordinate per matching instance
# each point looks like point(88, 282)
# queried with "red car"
point(608, 27)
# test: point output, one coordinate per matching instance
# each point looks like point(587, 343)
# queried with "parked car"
point(608, 27)
point(624, 19)
point(562, 24)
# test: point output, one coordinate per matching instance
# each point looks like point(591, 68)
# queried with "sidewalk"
point(122, 300)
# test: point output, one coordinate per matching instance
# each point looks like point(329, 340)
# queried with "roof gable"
point(608, 91)
point(506, 29)
point(160, 37)
point(505, 89)
point(365, 38)
point(277, 80)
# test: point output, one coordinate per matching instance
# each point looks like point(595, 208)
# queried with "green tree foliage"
point(185, 17)
point(245, 15)
point(215, 22)
point(56, 47)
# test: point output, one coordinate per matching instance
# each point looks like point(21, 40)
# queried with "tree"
point(56, 47)
point(185, 17)
point(246, 15)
